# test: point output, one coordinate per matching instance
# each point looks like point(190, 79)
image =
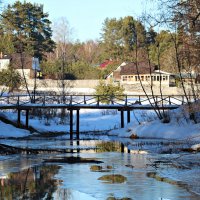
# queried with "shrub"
point(107, 91)
point(10, 78)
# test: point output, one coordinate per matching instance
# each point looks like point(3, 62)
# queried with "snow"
point(143, 124)
point(157, 129)
point(104, 120)
point(8, 130)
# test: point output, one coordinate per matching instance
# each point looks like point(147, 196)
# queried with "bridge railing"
point(125, 100)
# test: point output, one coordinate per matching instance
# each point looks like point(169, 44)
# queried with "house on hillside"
point(132, 74)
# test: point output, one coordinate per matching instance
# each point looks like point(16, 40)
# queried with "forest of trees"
point(26, 29)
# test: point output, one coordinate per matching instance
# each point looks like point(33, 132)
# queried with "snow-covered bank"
point(180, 127)
point(7, 130)
point(143, 125)
point(157, 129)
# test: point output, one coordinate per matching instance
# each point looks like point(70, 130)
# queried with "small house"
point(142, 72)
point(130, 73)
point(30, 65)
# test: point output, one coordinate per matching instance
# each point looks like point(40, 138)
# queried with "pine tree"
point(29, 27)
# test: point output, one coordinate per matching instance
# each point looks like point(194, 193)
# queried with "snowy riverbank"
point(143, 124)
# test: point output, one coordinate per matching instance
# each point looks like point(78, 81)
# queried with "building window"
point(147, 78)
point(130, 78)
point(142, 78)
point(124, 78)
point(158, 78)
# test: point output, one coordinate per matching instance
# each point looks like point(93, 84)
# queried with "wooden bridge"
point(76, 102)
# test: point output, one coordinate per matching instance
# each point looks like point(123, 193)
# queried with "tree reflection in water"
point(33, 183)
point(109, 147)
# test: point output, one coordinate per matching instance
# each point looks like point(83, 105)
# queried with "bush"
point(107, 91)
point(10, 78)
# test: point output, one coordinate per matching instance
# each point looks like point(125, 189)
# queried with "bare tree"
point(62, 35)
point(182, 20)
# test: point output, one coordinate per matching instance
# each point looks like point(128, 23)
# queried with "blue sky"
point(86, 17)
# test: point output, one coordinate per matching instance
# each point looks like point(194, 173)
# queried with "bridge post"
point(18, 117)
point(122, 119)
point(71, 125)
point(122, 148)
point(27, 118)
point(77, 124)
point(84, 99)
point(71, 144)
point(128, 116)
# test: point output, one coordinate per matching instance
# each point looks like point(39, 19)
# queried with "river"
point(51, 176)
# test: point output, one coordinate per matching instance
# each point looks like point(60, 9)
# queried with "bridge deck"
point(79, 106)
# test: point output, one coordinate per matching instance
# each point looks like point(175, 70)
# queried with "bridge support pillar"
point(77, 125)
point(122, 148)
point(27, 118)
point(18, 117)
point(128, 116)
point(71, 125)
point(122, 119)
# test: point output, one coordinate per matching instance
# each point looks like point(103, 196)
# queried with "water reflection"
point(32, 183)
point(77, 181)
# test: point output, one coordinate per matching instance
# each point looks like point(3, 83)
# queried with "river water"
point(40, 177)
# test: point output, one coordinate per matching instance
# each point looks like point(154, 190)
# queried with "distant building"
point(188, 77)
point(115, 75)
point(105, 64)
point(130, 73)
point(30, 65)
point(4, 61)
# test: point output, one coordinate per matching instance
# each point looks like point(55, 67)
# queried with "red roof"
point(105, 64)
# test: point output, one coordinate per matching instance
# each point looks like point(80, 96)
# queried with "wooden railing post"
point(170, 100)
point(98, 100)
point(44, 99)
point(126, 101)
point(84, 99)
point(18, 101)
point(70, 99)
